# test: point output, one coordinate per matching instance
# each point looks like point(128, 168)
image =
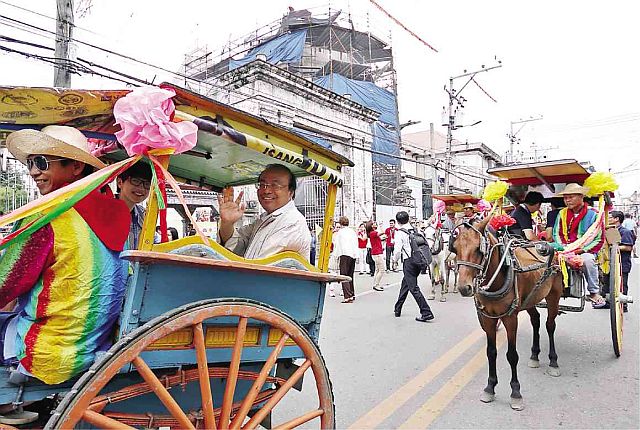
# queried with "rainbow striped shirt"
point(70, 288)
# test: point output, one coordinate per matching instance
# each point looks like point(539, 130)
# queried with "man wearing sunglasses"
point(67, 276)
point(133, 188)
point(281, 228)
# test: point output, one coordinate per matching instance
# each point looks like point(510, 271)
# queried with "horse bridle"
point(482, 249)
point(437, 239)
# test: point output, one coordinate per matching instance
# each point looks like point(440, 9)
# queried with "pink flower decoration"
point(483, 205)
point(438, 206)
point(100, 147)
point(144, 116)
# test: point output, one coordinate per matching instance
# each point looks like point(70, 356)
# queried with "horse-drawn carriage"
point(506, 274)
point(549, 176)
point(205, 338)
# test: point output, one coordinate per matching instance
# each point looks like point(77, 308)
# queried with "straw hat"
point(572, 188)
point(469, 206)
point(57, 140)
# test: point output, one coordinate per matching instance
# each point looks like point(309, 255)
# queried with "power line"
point(91, 71)
point(45, 16)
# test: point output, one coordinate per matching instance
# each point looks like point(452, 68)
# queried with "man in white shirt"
point(281, 228)
point(410, 271)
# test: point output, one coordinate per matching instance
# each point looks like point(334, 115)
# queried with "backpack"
point(420, 251)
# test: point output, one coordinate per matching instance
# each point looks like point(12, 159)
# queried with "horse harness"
point(506, 246)
point(438, 243)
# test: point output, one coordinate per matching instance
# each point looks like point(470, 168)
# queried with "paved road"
point(392, 372)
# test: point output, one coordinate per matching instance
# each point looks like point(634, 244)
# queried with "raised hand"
point(231, 209)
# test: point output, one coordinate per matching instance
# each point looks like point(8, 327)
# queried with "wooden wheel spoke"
point(105, 400)
point(232, 377)
point(258, 383)
point(100, 421)
point(203, 373)
point(262, 413)
point(301, 420)
point(162, 393)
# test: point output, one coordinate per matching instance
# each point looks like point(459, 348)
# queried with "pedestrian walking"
point(345, 245)
point(410, 271)
point(376, 252)
point(390, 233)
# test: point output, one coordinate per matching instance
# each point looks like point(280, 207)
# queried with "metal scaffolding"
point(336, 42)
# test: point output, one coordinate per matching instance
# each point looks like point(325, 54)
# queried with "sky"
point(573, 63)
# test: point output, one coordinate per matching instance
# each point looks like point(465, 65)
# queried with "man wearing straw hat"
point(571, 224)
point(470, 214)
point(67, 276)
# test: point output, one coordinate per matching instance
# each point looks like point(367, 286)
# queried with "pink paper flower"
point(144, 116)
point(438, 206)
point(483, 205)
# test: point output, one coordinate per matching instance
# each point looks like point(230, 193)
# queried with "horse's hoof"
point(534, 364)
point(443, 299)
point(487, 397)
point(554, 371)
point(517, 404)
point(431, 297)
point(455, 290)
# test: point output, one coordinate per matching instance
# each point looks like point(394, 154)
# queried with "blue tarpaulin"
point(384, 131)
point(366, 93)
point(283, 49)
point(386, 141)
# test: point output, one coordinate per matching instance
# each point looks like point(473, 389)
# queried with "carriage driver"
point(67, 276)
point(281, 228)
point(524, 218)
point(572, 222)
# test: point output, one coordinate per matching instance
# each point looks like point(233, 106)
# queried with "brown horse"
point(506, 275)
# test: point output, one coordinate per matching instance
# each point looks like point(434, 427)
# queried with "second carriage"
point(548, 177)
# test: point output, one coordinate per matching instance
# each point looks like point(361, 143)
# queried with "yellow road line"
point(433, 407)
point(429, 411)
point(384, 409)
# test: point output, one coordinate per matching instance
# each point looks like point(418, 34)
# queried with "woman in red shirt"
point(376, 252)
point(362, 246)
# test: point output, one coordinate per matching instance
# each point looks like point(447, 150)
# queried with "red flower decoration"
point(499, 221)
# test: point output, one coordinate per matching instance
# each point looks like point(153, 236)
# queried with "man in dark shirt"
point(522, 214)
point(557, 203)
point(627, 240)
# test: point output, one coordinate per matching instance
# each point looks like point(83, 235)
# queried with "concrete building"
point(425, 154)
point(323, 76)
point(332, 120)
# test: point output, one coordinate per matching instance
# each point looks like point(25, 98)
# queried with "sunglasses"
point(41, 162)
point(137, 182)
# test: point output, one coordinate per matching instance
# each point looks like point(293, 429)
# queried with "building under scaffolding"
point(326, 76)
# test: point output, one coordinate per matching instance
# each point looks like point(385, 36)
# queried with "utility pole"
point(435, 186)
point(512, 135)
point(451, 123)
point(64, 34)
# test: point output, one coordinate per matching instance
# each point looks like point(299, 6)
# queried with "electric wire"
point(91, 71)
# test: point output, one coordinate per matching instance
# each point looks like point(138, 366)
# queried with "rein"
point(483, 268)
point(508, 260)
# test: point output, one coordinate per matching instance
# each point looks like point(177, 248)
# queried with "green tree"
point(13, 188)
